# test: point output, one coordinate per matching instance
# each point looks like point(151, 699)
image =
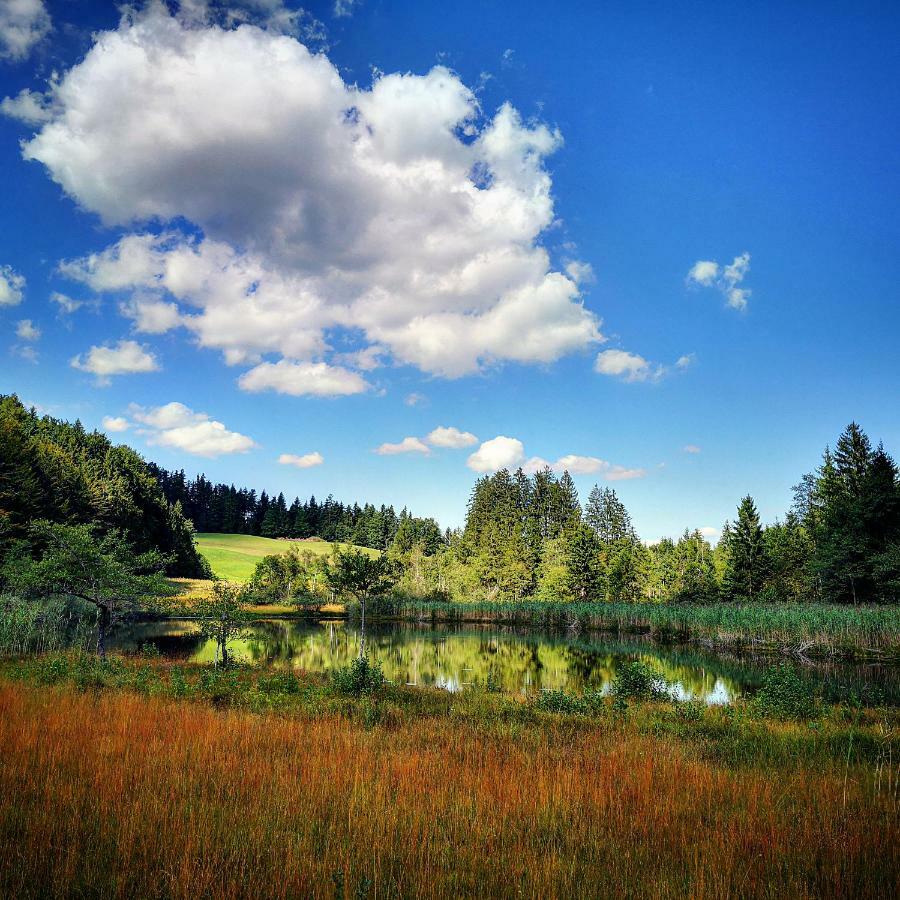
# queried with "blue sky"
point(325, 264)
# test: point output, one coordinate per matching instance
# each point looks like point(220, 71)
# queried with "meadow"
point(233, 557)
point(140, 778)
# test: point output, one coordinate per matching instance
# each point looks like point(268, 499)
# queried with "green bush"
point(636, 679)
point(558, 702)
point(785, 695)
point(362, 676)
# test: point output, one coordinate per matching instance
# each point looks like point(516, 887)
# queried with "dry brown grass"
point(118, 795)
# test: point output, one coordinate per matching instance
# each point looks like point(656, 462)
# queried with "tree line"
point(230, 510)
point(58, 472)
point(529, 538)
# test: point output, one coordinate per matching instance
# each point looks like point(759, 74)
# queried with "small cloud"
point(115, 424)
point(451, 437)
point(26, 330)
point(151, 315)
point(691, 448)
point(366, 360)
point(580, 272)
point(631, 367)
point(414, 399)
point(507, 56)
point(621, 473)
point(579, 465)
point(176, 425)
point(30, 107)
point(300, 379)
point(23, 24)
point(704, 273)
point(345, 8)
point(65, 303)
point(500, 452)
point(12, 287)
point(709, 532)
point(707, 273)
point(26, 352)
point(407, 445)
point(125, 358)
point(307, 461)
point(622, 364)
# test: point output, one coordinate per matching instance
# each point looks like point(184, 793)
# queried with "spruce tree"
point(585, 575)
point(748, 563)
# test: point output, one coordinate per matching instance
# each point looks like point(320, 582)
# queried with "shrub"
point(362, 676)
point(559, 702)
point(636, 679)
point(785, 695)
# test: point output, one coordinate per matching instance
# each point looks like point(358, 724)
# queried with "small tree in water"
point(352, 573)
point(103, 571)
point(223, 619)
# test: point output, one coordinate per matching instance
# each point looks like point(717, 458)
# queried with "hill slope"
point(233, 557)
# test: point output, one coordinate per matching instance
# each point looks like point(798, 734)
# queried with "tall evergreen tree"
point(748, 561)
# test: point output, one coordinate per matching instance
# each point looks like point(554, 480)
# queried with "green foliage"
point(748, 566)
point(222, 617)
point(72, 561)
point(294, 576)
point(355, 575)
point(584, 573)
point(785, 695)
point(636, 680)
point(850, 509)
point(362, 676)
point(51, 470)
point(53, 624)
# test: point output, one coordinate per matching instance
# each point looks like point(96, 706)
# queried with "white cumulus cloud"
point(176, 425)
point(631, 367)
point(306, 461)
point(115, 424)
point(23, 23)
point(500, 452)
point(624, 365)
point(707, 273)
point(399, 212)
point(451, 437)
point(303, 379)
point(12, 287)
point(407, 445)
point(125, 358)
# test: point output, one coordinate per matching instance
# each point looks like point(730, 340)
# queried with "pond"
point(515, 660)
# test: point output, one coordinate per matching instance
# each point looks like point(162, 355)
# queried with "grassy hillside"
point(234, 556)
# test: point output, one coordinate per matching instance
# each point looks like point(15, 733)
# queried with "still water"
point(457, 658)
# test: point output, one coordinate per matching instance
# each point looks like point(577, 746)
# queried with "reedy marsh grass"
point(813, 629)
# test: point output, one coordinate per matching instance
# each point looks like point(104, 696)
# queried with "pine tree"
point(585, 575)
point(607, 515)
point(748, 563)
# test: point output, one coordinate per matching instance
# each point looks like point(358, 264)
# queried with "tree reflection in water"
point(515, 660)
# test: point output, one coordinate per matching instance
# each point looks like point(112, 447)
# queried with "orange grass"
point(118, 795)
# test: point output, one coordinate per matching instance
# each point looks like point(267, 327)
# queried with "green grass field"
point(233, 557)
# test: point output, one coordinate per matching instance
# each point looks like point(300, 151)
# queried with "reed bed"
point(117, 794)
point(814, 629)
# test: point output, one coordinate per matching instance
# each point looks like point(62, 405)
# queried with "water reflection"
point(519, 661)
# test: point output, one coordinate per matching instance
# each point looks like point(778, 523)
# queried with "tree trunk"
point(102, 627)
point(362, 628)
